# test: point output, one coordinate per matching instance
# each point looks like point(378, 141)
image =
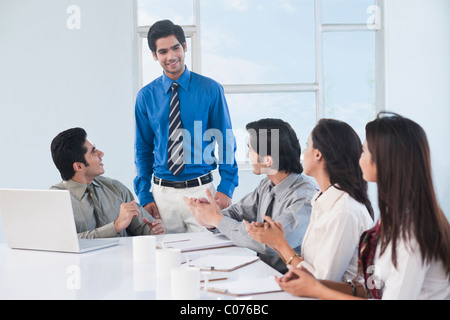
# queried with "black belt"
point(184, 184)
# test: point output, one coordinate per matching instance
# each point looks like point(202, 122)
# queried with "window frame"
point(194, 32)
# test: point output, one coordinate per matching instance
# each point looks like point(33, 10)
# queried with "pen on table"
point(205, 268)
point(218, 290)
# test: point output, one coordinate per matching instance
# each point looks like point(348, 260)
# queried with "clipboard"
point(194, 242)
point(222, 263)
point(247, 287)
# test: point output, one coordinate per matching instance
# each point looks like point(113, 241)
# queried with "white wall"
point(53, 78)
point(418, 76)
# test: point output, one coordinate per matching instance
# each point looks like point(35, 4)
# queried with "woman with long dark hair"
point(407, 254)
point(341, 211)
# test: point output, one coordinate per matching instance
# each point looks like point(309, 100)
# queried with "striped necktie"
point(269, 202)
point(98, 211)
point(175, 145)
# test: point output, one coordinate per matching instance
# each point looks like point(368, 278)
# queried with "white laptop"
point(43, 220)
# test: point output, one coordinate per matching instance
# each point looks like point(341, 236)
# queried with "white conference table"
point(108, 274)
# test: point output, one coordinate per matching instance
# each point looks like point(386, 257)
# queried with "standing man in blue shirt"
point(180, 117)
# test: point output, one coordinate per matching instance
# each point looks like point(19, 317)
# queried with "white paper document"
point(246, 287)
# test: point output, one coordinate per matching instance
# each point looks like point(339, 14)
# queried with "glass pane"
point(151, 69)
point(349, 61)
point(258, 41)
point(298, 109)
point(181, 12)
point(348, 11)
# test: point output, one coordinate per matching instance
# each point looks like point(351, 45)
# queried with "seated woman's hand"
point(299, 282)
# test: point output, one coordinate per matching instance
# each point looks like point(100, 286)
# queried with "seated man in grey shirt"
point(285, 195)
point(103, 207)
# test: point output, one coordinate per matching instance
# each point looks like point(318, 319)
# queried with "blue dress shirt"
point(206, 122)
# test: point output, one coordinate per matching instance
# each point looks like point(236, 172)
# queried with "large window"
point(299, 60)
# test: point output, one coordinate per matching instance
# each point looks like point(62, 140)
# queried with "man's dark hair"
point(276, 138)
point(68, 148)
point(163, 29)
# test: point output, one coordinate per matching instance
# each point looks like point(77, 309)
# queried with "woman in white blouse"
point(407, 254)
point(341, 211)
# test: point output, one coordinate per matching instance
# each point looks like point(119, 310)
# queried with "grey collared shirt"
point(111, 194)
point(292, 208)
